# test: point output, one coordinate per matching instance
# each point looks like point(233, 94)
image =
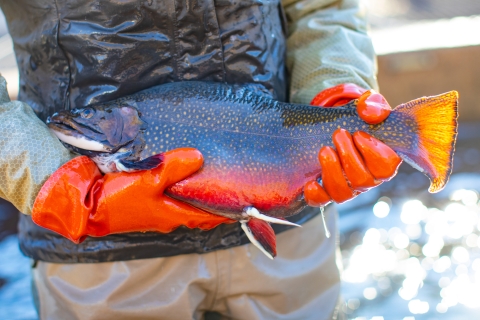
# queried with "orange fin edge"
point(437, 122)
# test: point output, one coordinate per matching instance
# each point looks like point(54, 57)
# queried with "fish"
point(258, 152)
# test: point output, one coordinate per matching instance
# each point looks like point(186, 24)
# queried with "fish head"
point(94, 130)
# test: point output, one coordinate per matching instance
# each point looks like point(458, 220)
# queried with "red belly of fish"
point(229, 190)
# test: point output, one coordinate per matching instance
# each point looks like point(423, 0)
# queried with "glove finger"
point(333, 179)
point(372, 107)
point(332, 96)
point(379, 158)
point(181, 213)
point(315, 195)
point(159, 213)
point(342, 102)
point(127, 193)
point(178, 164)
point(352, 163)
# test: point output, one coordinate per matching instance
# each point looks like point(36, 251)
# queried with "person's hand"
point(77, 201)
point(30, 153)
point(359, 162)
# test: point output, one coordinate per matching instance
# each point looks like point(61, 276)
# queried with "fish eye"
point(87, 113)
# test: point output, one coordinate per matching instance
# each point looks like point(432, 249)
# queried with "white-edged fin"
point(327, 232)
point(252, 239)
point(254, 213)
point(145, 164)
point(121, 167)
point(80, 142)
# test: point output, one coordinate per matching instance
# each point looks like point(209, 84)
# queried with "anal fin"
point(261, 234)
point(145, 164)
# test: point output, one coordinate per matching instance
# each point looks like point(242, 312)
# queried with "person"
point(84, 52)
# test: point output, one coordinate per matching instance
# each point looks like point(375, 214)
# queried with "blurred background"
point(407, 254)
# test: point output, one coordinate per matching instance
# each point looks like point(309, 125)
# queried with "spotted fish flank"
point(259, 153)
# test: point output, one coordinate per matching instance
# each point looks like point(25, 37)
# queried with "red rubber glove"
point(77, 201)
point(359, 163)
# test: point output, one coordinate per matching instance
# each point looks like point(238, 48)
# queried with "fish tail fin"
point(436, 122)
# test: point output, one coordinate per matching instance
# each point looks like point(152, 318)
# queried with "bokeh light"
point(381, 209)
point(434, 245)
point(370, 293)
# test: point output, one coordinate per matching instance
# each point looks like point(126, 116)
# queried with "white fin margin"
point(254, 213)
point(252, 239)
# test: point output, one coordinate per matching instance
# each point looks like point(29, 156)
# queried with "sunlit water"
point(404, 259)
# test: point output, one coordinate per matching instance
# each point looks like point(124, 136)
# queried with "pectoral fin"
point(261, 234)
point(254, 213)
point(145, 164)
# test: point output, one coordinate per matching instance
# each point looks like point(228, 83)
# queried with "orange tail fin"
point(436, 119)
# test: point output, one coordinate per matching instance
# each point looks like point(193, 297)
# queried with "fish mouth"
point(70, 135)
point(65, 123)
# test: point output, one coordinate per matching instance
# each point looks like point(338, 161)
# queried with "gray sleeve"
point(29, 153)
point(327, 45)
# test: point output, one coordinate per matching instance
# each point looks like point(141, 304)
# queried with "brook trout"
point(258, 152)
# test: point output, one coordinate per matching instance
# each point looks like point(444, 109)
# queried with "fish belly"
point(242, 170)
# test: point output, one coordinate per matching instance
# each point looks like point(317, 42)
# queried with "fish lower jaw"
point(80, 142)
